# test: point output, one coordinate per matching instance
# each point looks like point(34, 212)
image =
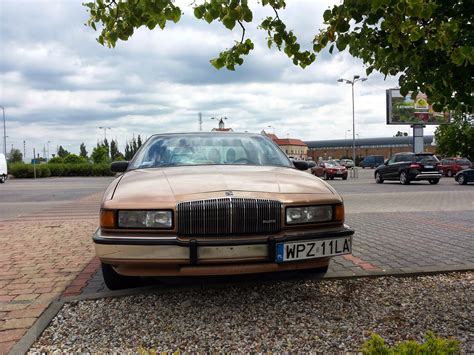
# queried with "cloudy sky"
point(58, 85)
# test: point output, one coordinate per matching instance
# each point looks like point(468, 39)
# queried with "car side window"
point(392, 160)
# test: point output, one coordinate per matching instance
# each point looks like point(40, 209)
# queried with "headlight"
point(145, 219)
point(309, 214)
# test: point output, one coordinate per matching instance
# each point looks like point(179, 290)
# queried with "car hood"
point(175, 184)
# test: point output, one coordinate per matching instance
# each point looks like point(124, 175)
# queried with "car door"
point(318, 170)
point(389, 171)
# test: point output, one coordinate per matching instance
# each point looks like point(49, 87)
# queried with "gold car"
point(216, 204)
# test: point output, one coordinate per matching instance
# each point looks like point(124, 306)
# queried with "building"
point(339, 148)
point(291, 146)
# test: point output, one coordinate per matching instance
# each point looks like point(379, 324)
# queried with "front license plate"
point(311, 249)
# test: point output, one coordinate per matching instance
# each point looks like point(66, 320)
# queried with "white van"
point(3, 169)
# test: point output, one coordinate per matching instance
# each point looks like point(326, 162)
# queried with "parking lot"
point(47, 224)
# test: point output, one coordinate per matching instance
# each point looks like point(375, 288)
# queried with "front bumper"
point(174, 257)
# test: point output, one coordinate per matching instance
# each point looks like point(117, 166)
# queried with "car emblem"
point(229, 193)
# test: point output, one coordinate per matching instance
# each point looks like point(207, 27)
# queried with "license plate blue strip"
point(279, 252)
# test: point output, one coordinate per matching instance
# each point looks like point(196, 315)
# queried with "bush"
point(432, 345)
point(55, 160)
point(56, 169)
point(20, 170)
point(74, 159)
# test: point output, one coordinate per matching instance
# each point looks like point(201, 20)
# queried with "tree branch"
point(243, 31)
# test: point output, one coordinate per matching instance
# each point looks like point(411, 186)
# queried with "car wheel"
point(378, 178)
point(325, 176)
point(332, 178)
point(449, 173)
point(2, 179)
point(344, 178)
point(115, 281)
point(462, 180)
point(433, 181)
point(404, 178)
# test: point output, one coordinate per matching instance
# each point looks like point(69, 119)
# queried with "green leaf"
point(208, 17)
point(228, 22)
point(199, 12)
point(327, 15)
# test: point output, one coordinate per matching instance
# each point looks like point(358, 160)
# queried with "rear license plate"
point(311, 249)
point(429, 166)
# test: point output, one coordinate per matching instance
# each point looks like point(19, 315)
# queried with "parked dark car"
point(464, 176)
point(372, 161)
point(407, 167)
point(329, 170)
point(450, 166)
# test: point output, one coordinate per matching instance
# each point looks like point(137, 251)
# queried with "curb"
point(25, 343)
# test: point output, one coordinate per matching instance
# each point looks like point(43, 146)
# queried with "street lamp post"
point(105, 132)
point(4, 132)
point(355, 79)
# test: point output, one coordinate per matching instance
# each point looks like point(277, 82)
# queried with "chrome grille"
point(229, 215)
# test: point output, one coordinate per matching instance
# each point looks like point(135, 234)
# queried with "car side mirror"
point(119, 166)
point(311, 164)
point(301, 164)
point(385, 162)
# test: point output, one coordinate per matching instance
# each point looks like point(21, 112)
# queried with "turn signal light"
point(339, 213)
point(415, 166)
point(107, 219)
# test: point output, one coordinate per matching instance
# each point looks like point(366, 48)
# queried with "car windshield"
point(208, 149)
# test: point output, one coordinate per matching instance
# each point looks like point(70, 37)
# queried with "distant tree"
point(83, 151)
point(100, 154)
point(128, 152)
point(74, 159)
point(456, 138)
point(139, 142)
point(55, 160)
point(62, 153)
point(401, 134)
point(134, 145)
point(15, 156)
point(119, 157)
point(114, 152)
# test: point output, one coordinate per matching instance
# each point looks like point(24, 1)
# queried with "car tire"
point(332, 177)
point(378, 178)
point(325, 176)
point(462, 180)
point(433, 181)
point(2, 179)
point(449, 173)
point(344, 178)
point(404, 178)
point(115, 281)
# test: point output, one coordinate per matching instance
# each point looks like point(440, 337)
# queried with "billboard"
point(405, 110)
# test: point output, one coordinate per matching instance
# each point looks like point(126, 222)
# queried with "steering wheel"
point(241, 160)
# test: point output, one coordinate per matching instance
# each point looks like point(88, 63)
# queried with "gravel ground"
point(284, 316)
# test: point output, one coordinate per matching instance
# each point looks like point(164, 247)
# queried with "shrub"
point(432, 345)
point(20, 170)
point(56, 169)
point(55, 160)
point(74, 159)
